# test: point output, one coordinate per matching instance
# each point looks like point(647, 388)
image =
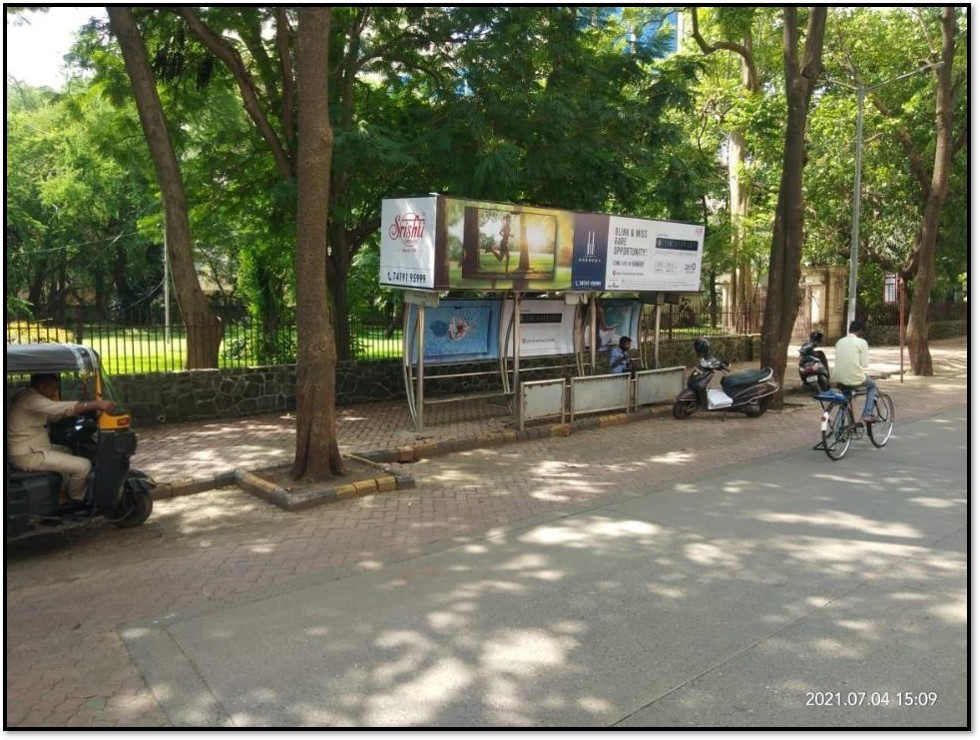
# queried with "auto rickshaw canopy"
point(27, 359)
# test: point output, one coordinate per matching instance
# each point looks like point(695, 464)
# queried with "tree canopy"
point(582, 108)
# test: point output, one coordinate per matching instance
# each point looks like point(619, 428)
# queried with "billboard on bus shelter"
point(438, 242)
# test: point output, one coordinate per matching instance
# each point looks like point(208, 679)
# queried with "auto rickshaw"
point(117, 493)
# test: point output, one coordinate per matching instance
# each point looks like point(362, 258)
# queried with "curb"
point(392, 481)
point(298, 500)
point(291, 501)
point(187, 486)
point(415, 453)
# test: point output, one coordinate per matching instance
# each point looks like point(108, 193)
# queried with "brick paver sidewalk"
point(204, 451)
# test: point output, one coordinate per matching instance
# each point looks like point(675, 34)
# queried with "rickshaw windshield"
point(83, 386)
point(110, 392)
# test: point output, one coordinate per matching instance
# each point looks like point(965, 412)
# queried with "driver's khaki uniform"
point(28, 445)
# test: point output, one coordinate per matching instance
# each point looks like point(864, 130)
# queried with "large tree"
point(920, 265)
point(737, 23)
point(782, 296)
point(896, 56)
point(317, 452)
point(203, 327)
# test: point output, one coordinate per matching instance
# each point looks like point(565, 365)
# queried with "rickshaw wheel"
point(135, 507)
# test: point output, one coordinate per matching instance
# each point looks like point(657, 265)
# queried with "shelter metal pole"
point(594, 336)
point(517, 340)
point(656, 341)
point(408, 367)
point(420, 388)
point(639, 338)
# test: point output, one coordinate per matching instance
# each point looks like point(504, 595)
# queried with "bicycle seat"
point(852, 390)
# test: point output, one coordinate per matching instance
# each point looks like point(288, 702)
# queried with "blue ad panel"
point(460, 331)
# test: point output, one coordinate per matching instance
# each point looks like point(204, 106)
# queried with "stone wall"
point(195, 395)
point(198, 395)
point(889, 335)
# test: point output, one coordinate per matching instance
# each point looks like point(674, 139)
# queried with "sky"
point(35, 50)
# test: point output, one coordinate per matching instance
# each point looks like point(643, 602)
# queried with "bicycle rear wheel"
point(837, 436)
point(880, 430)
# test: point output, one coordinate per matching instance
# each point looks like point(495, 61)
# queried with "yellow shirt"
point(27, 421)
point(850, 360)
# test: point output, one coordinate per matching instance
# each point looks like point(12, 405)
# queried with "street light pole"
point(861, 90)
point(852, 276)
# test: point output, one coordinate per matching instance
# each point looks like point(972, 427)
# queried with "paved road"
point(70, 661)
point(750, 597)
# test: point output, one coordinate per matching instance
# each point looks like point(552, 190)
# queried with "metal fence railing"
point(154, 347)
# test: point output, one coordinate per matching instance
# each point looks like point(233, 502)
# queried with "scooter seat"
point(744, 378)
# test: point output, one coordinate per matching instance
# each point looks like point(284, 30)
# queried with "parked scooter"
point(747, 391)
point(814, 370)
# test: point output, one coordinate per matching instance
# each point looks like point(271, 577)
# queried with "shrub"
point(25, 332)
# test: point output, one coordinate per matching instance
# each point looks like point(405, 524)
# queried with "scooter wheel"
point(683, 409)
point(756, 408)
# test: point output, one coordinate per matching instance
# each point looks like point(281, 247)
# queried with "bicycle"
point(838, 425)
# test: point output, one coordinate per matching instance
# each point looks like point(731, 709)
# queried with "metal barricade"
point(658, 386)
point(539, 399)
point(600, 393)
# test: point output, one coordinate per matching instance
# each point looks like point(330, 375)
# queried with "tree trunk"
point(338, 267)
point(743, 282)
point(782, 298)
point(317, 451)
point(203, 327)
point(740, 203)
point(743, 292)
point(924, 253)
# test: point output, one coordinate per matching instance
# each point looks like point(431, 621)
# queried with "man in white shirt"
point(850, 363)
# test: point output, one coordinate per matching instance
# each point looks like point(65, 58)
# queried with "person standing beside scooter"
point(28, 445)
point(850, 363)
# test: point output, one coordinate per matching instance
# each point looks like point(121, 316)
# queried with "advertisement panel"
point(589, 253)
point(443, 243)
point(457, 331)
point(408, 242)
point(646, 255)
point(547, 328)
point(615, 318)
point(499, 246)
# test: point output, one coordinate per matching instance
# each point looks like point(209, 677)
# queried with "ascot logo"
point(407, 228)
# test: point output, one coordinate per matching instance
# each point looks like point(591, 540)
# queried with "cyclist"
point(850, 363)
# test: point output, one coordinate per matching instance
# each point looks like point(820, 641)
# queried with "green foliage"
point(71, 205)
point(872, 46)
point(548, 105)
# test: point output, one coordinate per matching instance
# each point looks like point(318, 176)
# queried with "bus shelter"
point(539, 273)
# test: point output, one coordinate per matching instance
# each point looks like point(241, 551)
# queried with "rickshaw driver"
point(28, 446)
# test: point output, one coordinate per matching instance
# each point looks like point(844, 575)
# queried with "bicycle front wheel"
point(837, 436)
point(880, 430)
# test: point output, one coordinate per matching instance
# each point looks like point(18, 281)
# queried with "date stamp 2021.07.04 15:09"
point(903, 699)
